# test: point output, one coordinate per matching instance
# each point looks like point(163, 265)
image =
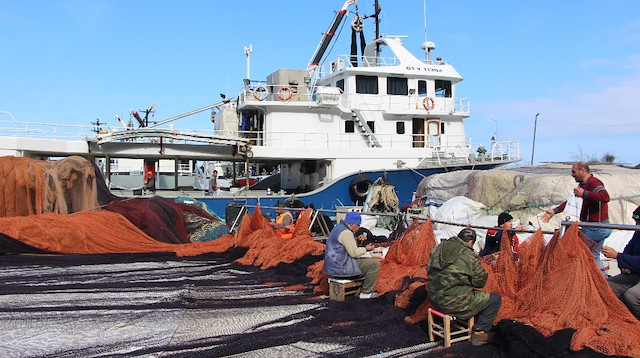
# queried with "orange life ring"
point(260, 93)
point(425, 103)
point(288, 93)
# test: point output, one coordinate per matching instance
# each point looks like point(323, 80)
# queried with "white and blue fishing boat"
point(326, 131)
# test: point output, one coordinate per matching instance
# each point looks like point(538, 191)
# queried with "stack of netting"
point(266, 249)
point(29, 187)
point(559, 286)
point(94, 232)
point(74, 185)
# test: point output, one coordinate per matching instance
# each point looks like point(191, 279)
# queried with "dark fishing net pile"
point(169, 221)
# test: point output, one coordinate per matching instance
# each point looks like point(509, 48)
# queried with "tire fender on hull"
point(360, 186)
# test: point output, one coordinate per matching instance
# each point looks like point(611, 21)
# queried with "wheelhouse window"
point(340, 84)
point(366, 84)
point(400, 127)
point(422, 88)
point(349, 126)
point(397, 86)
point(372, 126)
point(443, 88)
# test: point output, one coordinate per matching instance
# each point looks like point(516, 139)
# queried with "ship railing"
point(412, 102)
point(453, 155)
point(499, 151)
point(46, 130)
point(341, 61)
point(256, 92)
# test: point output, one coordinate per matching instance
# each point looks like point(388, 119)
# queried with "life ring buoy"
point(426, 105)
point(260, 93)
point(285, 93)
point(360, 186)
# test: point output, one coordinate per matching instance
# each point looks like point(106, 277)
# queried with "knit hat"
point(636, 214)
point(503, 218)
point(353, 217)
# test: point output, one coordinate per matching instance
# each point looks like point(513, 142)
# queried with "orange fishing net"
point(560, 286)
point(77, 177)
point(95, 232)
point(267, 249)
point(29, 187)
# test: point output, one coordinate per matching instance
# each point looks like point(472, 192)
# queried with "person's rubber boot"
point(479, 338)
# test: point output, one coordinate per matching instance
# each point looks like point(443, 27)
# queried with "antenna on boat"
point(247, 51)
point(427, 46)
point(96, 126)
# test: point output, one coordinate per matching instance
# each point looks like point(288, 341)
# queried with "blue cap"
point(353, 217)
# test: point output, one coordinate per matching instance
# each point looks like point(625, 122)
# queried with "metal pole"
point(247, 51)
point(533, 149)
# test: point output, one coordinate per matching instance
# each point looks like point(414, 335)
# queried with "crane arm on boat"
point(327, 37)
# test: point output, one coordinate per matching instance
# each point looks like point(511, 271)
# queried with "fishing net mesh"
point(551, 287)
point(559, 286)
point(77, 177)
point(93, 232)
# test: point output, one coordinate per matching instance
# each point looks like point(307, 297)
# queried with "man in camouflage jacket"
point(455, 274)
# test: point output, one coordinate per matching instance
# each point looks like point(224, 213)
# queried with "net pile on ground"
point(403, 268)
point(559, 286)
point(29, 187)
point(77, 177)
point(94, 232)
point(168, 221)
point(266, 249)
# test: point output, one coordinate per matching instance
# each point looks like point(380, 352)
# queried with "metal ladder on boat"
point(367, 133)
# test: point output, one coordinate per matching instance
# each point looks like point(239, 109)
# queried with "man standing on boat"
point(343, 257)
point(594, 207)
point(213, 183)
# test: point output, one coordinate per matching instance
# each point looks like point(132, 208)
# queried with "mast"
point(377, 18)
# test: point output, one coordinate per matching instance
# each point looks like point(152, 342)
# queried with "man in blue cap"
point(343, 257)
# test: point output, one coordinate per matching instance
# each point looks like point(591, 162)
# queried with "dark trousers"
point(627, 288)
point(488, 313)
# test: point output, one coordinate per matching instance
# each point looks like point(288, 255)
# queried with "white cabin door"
point(433, 133)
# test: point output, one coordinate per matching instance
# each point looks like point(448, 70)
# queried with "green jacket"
point(455, 273)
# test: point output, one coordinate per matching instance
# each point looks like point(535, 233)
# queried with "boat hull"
point(340, 193)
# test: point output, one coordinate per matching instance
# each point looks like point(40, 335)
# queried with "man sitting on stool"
point(455, 274)
point(626, 285)
point(343, 257)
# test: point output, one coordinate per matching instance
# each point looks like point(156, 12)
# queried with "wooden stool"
point(451, 329)
point(340, 287)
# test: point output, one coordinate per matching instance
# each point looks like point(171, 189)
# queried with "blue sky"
point(575, 63)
